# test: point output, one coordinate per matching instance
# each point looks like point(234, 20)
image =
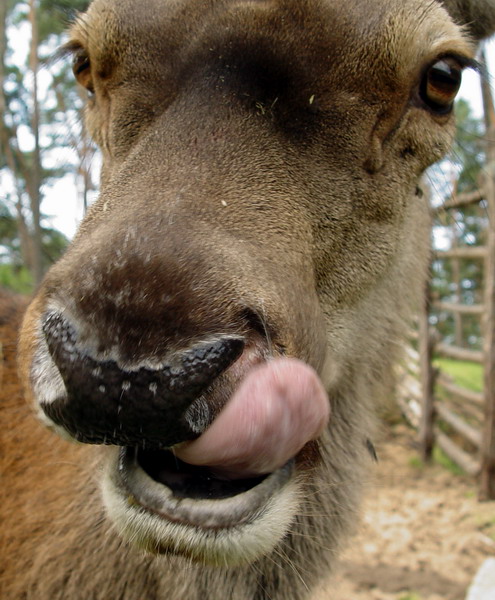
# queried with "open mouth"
point(167, 507)
point(237, 478)
point(190, 481)
point(163, 485)
point(231, 495)
point(225, 496)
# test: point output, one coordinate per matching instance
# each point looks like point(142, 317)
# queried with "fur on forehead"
point(422, 31)
point(389, 29)
point(395, 38)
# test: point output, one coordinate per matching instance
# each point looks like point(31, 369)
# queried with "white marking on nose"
point(198, 415)
point(48, 384)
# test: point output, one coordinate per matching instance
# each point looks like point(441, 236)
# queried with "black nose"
point(106, 404)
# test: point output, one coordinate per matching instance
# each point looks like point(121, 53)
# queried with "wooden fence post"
point(426, 432)
point(487, 473)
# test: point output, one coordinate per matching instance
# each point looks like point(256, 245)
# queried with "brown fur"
point(260, 158)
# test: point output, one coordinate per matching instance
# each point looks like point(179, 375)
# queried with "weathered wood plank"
point(458, 200)
point(469, 252)
point(458, 423)
point(457, 454)
point(459, 353)
point(457, 390)
point(468, 309)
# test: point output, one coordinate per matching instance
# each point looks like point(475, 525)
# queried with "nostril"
point(107, 404)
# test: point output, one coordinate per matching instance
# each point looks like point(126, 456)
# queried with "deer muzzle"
point(153, 408)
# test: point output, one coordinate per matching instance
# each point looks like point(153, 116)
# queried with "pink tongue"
point(278, 408)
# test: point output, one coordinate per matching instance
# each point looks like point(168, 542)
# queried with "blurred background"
point(48, 169)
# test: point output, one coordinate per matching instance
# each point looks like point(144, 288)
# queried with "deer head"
point(255, 247)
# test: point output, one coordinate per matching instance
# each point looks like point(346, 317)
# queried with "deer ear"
point(478, 16)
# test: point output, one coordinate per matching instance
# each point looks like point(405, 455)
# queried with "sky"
point(470, 88)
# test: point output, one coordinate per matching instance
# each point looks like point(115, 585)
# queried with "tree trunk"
point(34, 188)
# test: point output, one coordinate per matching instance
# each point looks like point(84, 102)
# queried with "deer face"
point(257, 234)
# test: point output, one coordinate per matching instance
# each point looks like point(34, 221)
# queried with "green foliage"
point(53, 244)
point(54, 16)
point(10, 250)
point(468, 151)
point(15, 278)
point(8, 225)
point(59, 130)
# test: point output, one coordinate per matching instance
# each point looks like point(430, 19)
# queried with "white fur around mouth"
point(219, 531)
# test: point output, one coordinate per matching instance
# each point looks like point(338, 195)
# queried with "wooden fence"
point(460, 421)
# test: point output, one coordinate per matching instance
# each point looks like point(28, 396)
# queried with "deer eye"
point(440, 84)
point(81, 68)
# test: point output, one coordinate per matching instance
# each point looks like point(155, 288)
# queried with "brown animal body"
point(259, 221)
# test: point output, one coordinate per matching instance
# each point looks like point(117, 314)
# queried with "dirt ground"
point(423, 535)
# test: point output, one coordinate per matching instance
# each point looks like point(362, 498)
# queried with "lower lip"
point(212, 503)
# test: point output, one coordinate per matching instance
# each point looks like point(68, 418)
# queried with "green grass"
point(415, 462)
point(409, 596)
point(442, 459)
point(466, 374)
